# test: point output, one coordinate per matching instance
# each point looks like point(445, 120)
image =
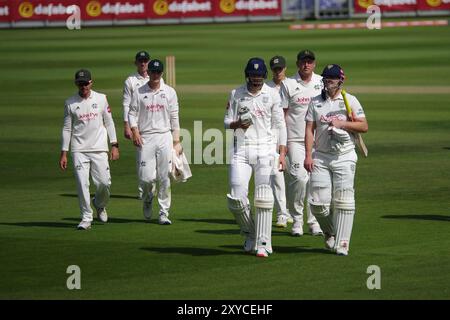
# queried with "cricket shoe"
point(342, 249)
point(290, 219)
point(315, 230)
point(249, 245)
point(84, 225)
point(329, 241)
point(147, 209)
point(163, 219)
point(297, 229)
point(262, 252)
point(102, 215)
point(281, 221)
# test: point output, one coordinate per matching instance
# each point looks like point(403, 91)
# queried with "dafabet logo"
point(161, 7)
point(94, 8)
point(227, 6)
point(365, 3)
point(434, 3)
point(26, 10)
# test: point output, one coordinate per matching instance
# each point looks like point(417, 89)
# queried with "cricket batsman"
point(87, 125)
point(254, 113)
point(333, 163)
point(155, 127)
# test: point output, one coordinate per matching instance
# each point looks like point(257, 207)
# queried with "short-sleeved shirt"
point(322, 111)
point(296, 95)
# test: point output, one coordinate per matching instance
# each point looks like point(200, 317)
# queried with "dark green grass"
point(402, 189)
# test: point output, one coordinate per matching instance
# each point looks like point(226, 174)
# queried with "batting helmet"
point(333, 71)
point(256, 67)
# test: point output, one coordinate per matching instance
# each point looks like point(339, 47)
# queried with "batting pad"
point(264, 197)
point(344, 206)
point(323, 216)
point(264, 206)
point(241, 212)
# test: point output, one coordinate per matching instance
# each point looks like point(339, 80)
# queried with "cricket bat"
point(358, 138)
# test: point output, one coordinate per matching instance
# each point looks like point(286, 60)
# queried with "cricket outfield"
point(401, 77)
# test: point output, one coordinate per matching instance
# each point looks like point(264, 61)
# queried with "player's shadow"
point(236, 231)
point(197, 252)
point(433, 217)
point(116, 196)
point(42, 224)
point(287, 250)
point(118, 220)
point(215, 221)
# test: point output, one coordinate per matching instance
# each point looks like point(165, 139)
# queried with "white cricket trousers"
point(279, 188)
point(155, 160)
point(298, 182)
point(332, 176)
point(332, 192)
point(246, 159)
point(94, 164)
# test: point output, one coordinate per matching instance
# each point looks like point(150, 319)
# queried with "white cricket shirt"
point(154, 111)
point(87, 124)
point(272, 85)
point(322, 112)
point(296, 95)
point(265, 111)
point(132, 83)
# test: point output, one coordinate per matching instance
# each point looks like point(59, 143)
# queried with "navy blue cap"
point(256, 67)
point(333, 71)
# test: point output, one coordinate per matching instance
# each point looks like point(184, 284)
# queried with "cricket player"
point(333, 162)
point(278, 67)
point(254, 113)
point(87, 125)
point(296, 93)
point(155, 127)
point(134, 81)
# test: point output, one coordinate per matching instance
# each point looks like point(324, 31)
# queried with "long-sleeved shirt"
point(154, 111)
point(87, 124)
point(276, 87)
point(266, 114)
point(132, 83)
